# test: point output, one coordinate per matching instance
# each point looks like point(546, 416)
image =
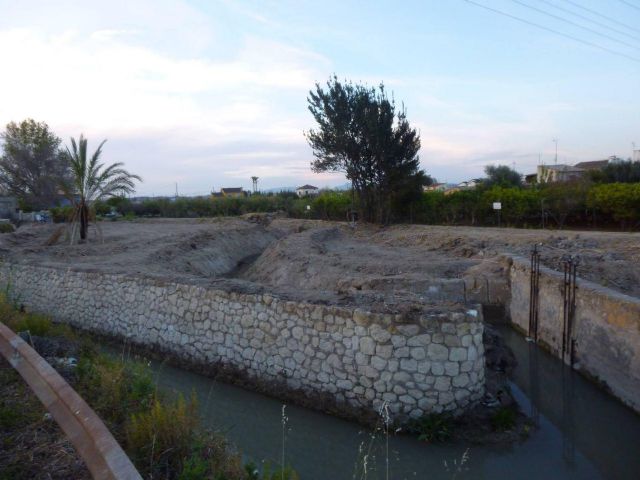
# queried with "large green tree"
point(92, 181)
point(501, 176)
point(362, 133)
point(623, 171)
point(32, 165)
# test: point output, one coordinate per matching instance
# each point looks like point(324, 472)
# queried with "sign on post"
point(497, 205)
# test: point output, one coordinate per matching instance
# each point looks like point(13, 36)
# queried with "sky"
point(206, 94)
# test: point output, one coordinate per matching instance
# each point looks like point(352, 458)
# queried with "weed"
point(7, 227)
point(269, 473)
point(432, 428)
point(162, 436)
point(194, 468)
point(503, 419)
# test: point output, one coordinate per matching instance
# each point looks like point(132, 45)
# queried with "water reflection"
point(589, 420)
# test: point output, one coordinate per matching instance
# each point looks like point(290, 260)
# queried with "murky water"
point(582, 432)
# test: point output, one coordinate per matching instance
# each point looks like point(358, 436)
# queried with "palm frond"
point(93, 181)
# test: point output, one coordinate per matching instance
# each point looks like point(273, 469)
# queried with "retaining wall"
point(421, 365)
point(606, 328)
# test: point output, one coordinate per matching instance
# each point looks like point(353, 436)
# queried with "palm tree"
point(92, 181)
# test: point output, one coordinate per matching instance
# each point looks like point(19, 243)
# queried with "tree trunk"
point(84, 221)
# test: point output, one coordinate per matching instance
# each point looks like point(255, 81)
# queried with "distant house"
point(468, 185)
point(306, 190)
point(558, 173)
point(233, 192)
point(592, 165)
point(567, 173)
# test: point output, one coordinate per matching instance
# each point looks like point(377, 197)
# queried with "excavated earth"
point(321, 261)
point(389, 268)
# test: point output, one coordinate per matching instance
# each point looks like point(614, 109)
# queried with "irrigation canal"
point(582, 432)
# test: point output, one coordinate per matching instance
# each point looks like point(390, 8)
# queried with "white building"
point(307, 190)
point(468, 184)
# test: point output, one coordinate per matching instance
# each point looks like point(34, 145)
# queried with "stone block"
point(437, 352)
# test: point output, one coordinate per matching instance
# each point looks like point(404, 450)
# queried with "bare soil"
point(320, 261)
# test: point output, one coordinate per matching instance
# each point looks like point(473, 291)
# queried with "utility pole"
point(176, 190)
point(555, 140)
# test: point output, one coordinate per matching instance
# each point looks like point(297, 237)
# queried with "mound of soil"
point(323, 261)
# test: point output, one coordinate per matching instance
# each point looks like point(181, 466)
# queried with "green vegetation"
point(504, 419)
point(501, 176)
point(6, 228)
point(32, 164)
point(432, 428)
point(92, 181)
point(577, 204)
point(360, 132)
point(161, 434)
point(622, 171)
point(328, 206)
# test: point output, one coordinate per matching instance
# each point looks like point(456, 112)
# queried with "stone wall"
point(431, 363)
point(606, 327)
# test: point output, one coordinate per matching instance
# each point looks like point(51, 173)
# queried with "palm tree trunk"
point(84, 221)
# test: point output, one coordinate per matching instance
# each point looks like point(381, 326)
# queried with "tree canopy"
point(501, 176)
point(32, 165)
point(361, 132)
point(625, 171)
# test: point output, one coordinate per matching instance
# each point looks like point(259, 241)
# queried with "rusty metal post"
point(103, 456)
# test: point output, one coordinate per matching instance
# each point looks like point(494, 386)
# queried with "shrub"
point(620, 201)
point(6, 227)
point(61, 214)
point(432, 428)
point(163, 436)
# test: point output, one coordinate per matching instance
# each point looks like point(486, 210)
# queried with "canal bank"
point(581, 433)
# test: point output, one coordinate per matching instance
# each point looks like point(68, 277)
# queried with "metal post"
point(569, 287)
point(534, 293)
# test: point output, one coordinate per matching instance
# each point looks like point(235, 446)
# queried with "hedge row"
point(615, 205)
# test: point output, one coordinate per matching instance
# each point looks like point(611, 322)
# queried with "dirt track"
point(322, 260)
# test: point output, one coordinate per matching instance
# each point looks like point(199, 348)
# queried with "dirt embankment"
point(323, 261)
point(611, 259)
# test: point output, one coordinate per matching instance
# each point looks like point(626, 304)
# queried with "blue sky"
point(208, 93)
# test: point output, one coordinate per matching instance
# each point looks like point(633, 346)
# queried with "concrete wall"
point(606, 327)
point(428, 364)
